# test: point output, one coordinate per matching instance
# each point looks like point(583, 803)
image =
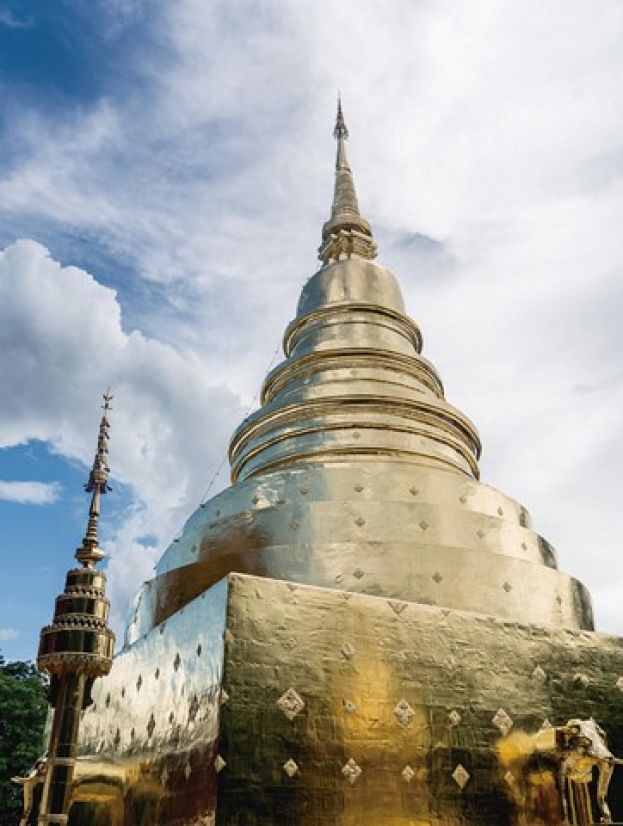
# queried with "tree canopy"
point(23, 710)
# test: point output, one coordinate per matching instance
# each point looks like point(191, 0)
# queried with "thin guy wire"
point(212, 482)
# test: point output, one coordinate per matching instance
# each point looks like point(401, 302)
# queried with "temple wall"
point(411, 703)
point(148, 742)
point(408, 692)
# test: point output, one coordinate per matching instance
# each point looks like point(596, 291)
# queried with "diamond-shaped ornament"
point(290, 767)
point(502, 721)
point(510, 778)
point(460, 776)
point(539, 675)
point(454, 718)
point(291, 703)
point(219, 764)
point(407, 774)
point(403, 712)
point(351, 770)
point(348, 651)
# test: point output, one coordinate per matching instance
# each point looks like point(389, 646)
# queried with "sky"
point(165, 169)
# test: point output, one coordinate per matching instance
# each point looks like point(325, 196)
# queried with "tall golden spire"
point(90, 553)
point(346, 233)
point(78, 645)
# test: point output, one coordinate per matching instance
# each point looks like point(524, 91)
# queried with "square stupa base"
point(267, 702)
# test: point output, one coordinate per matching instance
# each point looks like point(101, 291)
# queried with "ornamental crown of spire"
point(98, 476)
point(97, 484)
point(346, 232)
point(340, 130)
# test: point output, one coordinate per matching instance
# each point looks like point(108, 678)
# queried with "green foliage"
point(23, 709)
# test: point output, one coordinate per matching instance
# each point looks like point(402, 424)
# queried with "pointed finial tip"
point(340, 130)
point(98, 476)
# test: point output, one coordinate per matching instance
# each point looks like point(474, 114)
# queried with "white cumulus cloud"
point(29, 493)
point(62, 341)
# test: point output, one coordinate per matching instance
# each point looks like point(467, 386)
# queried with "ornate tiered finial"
point(340, 130)
point(77, 647)
point(346, 233)
point(90, 553)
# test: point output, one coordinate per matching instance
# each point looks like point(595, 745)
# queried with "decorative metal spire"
point(346, 233)
point(90, 553)
point(77, 647)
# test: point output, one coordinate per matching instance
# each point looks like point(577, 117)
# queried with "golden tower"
point(357, 631)
point(77, 647)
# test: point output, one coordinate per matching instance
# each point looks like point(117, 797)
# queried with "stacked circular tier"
point(356, 474)
point(79, 640)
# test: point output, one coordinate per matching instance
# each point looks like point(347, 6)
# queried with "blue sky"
point(165, 169)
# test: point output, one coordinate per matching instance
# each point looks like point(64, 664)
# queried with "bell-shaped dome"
point(354, 384)
point(354, 280)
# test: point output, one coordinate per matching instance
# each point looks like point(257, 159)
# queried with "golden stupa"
point(358, 631)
